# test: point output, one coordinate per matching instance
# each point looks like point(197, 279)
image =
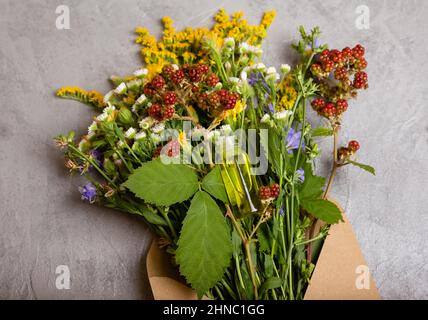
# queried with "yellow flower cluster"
point(287, 95)
point(187, 46)
point(93, 97)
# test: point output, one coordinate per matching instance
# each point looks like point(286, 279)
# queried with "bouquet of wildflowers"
point(214, 151)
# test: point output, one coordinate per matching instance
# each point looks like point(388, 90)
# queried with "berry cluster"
point(340, 74)
point(269, 192)
point(191, 84)
point(171, 149)
point(217, 101)
point(346, 152)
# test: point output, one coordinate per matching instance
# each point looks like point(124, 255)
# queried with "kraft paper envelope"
point(340, 273)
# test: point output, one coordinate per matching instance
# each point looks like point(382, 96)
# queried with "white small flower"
point(102, 117)
point(285, 68)
point(121, 89)
point(244, 75)
point(140, 135)
point(234, 80)
point(141, 73)
point(260, 67)
point(272, 77)
point(227, 65)
point(121, 144)
point(108, 96)
point(282, 114)
point(258, 51)
point(147, 123)
point(141, 99)
point(175, 67)
point(218, 86)
point(156, 139)
point(226, 129)
point(271, 70)
point(93, 127)
point(109, 109)
point(244, 47)
point(265, 118)
point(158, 128)
point(130, 133)
point(134, 84)
point(229, 42)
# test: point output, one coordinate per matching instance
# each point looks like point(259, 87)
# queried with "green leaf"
point(237, 243)
point(163, 184)
point(323, 209)
point(205, 246)
point(364, 167)
point(322, 132)
point(312, 187)
point(213, 184)
point(270, 283)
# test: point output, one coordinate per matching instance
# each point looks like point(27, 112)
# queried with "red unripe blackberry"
point(361, 64)
point(172, 149)
point(265, 193)
point(149, 91)
point(168, 112)
point(354, 146)
point(341, 106)
point(212, 80)
point(329, 111)
point(318, 103)
point(195, 75)
point(158, 82)
point(231, 101)
point(168, 70)
point(155, 111)
point(341, 73)
point(170, 98)
point(275, 190)
point(195, 89)
point(203, 68)
point(360, 80)
point(347, 52)
point(328, 66)
point(336, 56)
point(324, 56)
point(358, 51)
point(316, 69)
point(177, 77)
point(213, 99)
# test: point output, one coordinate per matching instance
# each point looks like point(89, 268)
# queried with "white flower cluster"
point(246, 48)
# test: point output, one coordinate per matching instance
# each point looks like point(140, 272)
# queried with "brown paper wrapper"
point(341, 272)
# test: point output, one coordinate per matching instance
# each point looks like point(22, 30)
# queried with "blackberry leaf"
point(163, 184)
point(205, 245)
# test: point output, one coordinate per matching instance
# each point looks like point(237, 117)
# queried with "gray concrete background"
point(44, 224)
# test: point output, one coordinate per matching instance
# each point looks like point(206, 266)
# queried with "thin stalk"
point(251, 268)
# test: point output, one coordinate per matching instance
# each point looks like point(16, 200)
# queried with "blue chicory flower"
point(88, 192)
point(254, 78)
point(281, 211)
point(293, 140)
point(98, 157)
point(300, 175)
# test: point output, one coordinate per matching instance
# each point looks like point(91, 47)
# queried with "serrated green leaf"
point(163, 184)
point(322, 132)
point(205, 246)
point(324, 210)
point(365, 167)
point(214, 185)
point(312, 186)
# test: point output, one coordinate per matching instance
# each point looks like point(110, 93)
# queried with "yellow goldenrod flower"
point(93, 98)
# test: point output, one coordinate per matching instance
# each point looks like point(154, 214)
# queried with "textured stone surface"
point(43, 222)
